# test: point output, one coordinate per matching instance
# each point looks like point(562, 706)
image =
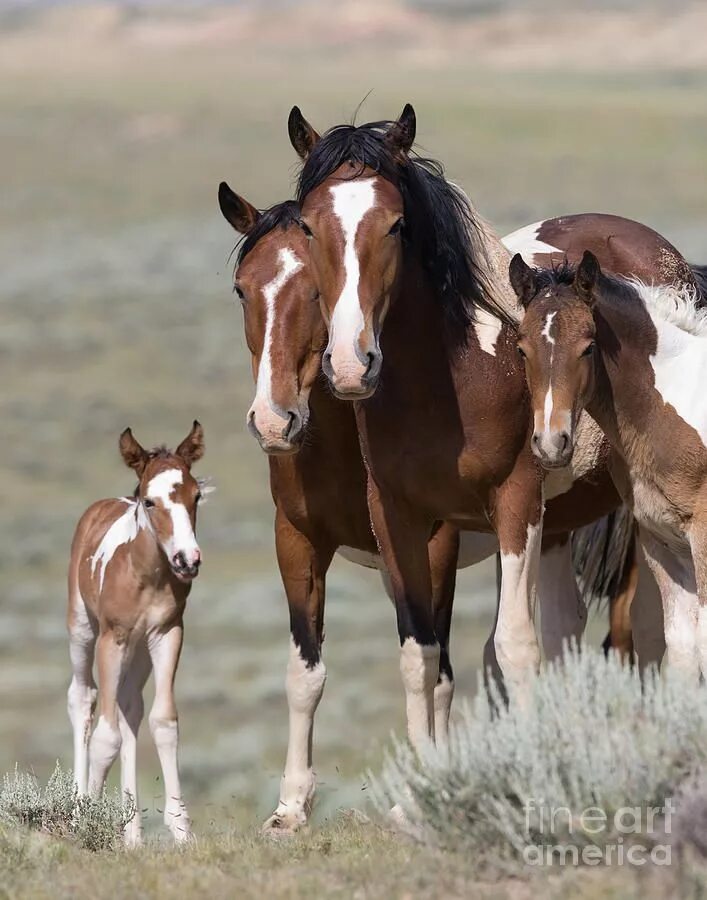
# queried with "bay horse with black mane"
point(635, 356)
point(407, 273)
point(133, 560)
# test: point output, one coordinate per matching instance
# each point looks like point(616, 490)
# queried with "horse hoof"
point(279, 827)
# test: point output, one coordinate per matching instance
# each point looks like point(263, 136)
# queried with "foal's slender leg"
point(646, 614)
point(620, 637)
point(518, 516)
point(82, 690)
point(563, 615)
point(164, 648)
point(112, 653)
point(131, 708)
point(403, 540)
point(303, 566)
point(675, 577)
point(443, 554)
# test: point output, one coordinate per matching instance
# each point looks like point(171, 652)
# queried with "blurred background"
point(117, 121)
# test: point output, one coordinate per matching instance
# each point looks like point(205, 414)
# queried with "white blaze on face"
point(546, 333)
point(288, 264)
point(526, 242)
point(182, 539)
point(352, 200)
point(124, 530)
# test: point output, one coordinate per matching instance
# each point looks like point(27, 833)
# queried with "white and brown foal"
point(635, 356)
point(133, 560)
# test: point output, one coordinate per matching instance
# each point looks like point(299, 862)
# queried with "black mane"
point(281, 215)
point(440, 225)
point(562, 274)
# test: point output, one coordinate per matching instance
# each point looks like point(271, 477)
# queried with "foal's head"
point(170, 494)
point(283, 323)
point(366, 202)
point(557, 341)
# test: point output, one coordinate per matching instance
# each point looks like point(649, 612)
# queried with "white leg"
point(647, 617)
point(106, 740)
point(305, 686)
point(131, 708)
point(81, 699)
point(164, 648)
point(515, 639)
point(419, 667)
point(563, 614)
point(675, 577)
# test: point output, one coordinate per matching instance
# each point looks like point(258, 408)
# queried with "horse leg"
point(620, 636)
point(164, 648)
point(112, 657)
point(81, 698)
point(518, 518)
point(563, 615)
point(675, 577)
point(403, 537)
point(303, 566)
point(443, 553)
point(131, 708)
point(698, 546)
point(646, 613)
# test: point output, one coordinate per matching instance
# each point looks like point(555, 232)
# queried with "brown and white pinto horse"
point(445, 430)
point(635, 356)
point(133, 560)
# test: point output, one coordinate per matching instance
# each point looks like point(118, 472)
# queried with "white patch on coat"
point(352, 200)
point(680, 361)
point(182, 539)
point(525, 241)
point(546, 332)
point(419, 667)
point(123, 530)
point(288, 265)
point(487, 328)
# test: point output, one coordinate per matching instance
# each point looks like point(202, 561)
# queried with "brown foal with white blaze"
point(133, 560)
point(635, 356)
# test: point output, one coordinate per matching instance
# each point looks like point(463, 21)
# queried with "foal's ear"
point(302, 136)
point(134, 454)
point(401, 135)
point(237, 211)
point(192, 447)
point(586, 277)
point(524, 280)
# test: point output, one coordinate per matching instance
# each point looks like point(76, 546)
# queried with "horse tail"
point(700, 275)
point(601, 553)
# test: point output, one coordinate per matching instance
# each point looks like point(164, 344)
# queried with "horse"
point(445, 431)
point(633, 354)
point(133, 561)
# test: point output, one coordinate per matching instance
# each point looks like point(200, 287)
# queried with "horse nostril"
point(179, 560)
point(293, 425)
point(564, 441)
point(535, 440)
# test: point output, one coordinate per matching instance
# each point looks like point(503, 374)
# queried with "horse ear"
point(302, 136)
point(586, 277)
point(192, 447)
point(236, 211)
point(401, 135)
point(523, 280)
point(134, 454)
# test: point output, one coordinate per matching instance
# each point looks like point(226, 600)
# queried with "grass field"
point(116, 310)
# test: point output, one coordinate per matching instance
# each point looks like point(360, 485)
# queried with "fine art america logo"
point(630, 836)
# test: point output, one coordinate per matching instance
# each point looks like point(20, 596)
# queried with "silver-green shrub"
point(95, 823)
point(589, 734)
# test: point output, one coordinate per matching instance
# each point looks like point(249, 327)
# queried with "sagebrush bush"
point(589, 734)
point(94, 823)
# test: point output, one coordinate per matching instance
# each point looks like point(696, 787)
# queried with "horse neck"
point(494, 260)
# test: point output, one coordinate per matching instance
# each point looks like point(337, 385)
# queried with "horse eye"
point(521, 352)
point(198, 496)
point(147, 503)
point(307, 230)
point(588, 350)
point(237, 290)
point(397, 227)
